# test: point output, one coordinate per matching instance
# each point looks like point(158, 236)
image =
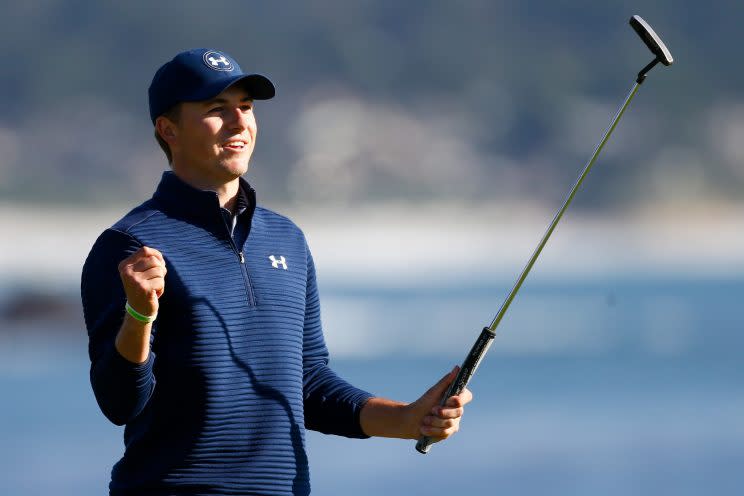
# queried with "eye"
point(216, 109)
point(247, 107)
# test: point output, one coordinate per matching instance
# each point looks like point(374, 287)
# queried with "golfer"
point(203, 315)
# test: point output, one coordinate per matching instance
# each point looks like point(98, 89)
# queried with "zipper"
point(243, 268)
point(246, 276)
point(247, 280)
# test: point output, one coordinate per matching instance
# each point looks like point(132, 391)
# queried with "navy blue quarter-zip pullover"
point(238, 366)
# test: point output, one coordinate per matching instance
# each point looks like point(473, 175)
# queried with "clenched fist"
point(143, 276)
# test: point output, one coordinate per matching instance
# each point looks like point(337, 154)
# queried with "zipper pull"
point(242, 258)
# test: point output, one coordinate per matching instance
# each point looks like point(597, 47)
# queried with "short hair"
point(173, 114)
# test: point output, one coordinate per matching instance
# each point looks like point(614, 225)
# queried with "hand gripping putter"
point(479, 349)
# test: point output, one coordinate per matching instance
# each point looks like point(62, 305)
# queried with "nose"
point(237, 119)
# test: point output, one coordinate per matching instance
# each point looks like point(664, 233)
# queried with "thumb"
point(154, 295)
point(437, 390)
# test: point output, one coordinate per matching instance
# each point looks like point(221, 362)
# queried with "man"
point(203, 315)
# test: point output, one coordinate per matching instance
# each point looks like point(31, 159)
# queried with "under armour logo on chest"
point(276, 262)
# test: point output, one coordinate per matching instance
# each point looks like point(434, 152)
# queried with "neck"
point(227, 192)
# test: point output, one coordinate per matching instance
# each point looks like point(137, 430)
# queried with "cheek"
point(252, 127)
point(201, 139)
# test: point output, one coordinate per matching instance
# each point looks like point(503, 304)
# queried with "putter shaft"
point(562, 210)
point(479, 349)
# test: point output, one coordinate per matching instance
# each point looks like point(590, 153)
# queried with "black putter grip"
point(467, 369)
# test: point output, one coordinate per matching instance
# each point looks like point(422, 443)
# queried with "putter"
point(479, 349)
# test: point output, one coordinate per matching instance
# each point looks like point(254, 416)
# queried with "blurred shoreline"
point(406, 248)
point(399, 244)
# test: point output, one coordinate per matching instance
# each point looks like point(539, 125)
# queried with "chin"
point(236, 169)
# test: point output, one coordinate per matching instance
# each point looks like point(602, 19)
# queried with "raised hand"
point(143, 276)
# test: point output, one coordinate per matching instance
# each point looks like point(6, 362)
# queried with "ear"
point(166, 129)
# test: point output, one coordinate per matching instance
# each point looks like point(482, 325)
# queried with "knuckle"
point(126, 262)
point(154, 253)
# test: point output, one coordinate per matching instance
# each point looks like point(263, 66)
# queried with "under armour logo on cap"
point(217, 61)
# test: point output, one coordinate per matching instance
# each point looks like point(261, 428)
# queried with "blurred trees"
point(414, 101)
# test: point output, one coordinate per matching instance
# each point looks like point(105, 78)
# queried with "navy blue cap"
point(201, 74)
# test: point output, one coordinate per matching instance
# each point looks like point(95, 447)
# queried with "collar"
point(181, 200)
point(243, 201)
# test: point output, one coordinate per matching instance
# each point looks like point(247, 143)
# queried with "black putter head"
point(652, 40)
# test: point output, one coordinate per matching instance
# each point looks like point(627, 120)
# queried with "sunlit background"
point(423, 147)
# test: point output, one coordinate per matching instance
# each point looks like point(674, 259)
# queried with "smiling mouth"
point(235, 145)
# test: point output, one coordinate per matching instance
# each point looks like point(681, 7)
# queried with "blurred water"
point(631, 386)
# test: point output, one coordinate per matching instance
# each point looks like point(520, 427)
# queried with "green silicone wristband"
point(138, 316)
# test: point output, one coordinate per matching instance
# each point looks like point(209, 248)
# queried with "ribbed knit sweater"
point(238, 366)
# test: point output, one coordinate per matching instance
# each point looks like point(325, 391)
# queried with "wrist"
point(140, 317)
point(411, 422)
point(386, 418)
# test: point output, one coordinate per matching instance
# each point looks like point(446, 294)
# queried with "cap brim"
point(258, 87)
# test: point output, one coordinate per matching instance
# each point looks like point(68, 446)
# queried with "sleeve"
point(122, 388)
point(332, 405)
